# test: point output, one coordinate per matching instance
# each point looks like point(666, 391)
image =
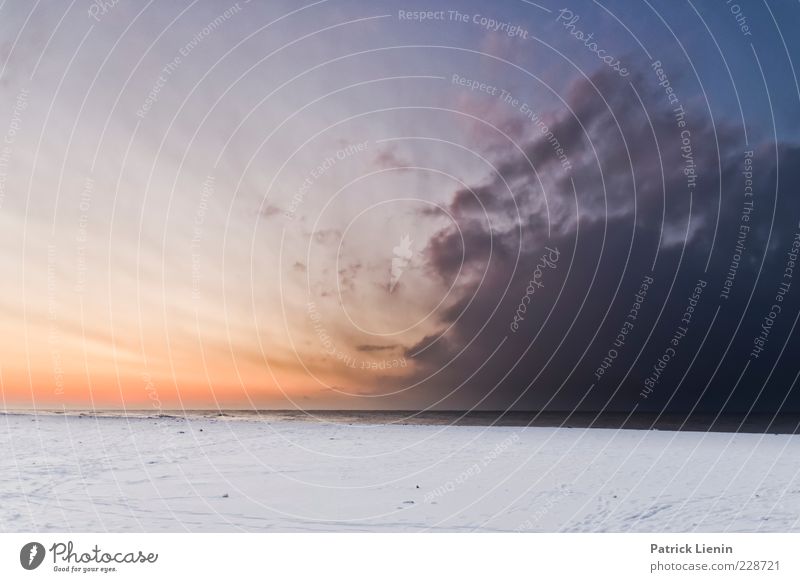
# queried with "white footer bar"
point(400, 557)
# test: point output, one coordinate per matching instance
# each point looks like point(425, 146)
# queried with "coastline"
point(787, 423)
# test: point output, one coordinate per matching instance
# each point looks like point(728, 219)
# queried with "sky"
point(400, 205)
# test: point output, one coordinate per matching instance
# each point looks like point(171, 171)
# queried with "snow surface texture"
point(72, 473)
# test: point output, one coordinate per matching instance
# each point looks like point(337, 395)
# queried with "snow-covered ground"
point(72, 473)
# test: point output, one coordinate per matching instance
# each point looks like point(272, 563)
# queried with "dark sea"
point(783, 423)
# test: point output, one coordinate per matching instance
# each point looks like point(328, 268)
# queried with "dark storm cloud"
point(636, 203)
point(271, 210)
point(327, 236)
point(389, 158)
point(376, 348)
